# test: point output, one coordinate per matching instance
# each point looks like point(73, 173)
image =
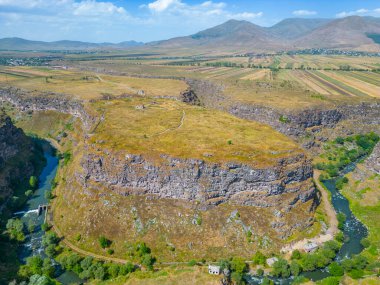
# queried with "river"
point(33, 245)
point(354, 231)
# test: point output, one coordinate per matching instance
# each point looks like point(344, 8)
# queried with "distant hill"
point(355, 33)
point(233, 36)
point(22, 44)
point(346, 33)
point(296, 27)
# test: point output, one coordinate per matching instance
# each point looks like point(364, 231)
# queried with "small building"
point(214, 269)
point(271, 261)
point(311, 246)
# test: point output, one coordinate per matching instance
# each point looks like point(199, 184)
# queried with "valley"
point(184, 153)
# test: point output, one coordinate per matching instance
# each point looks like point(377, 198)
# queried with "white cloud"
point(103, 20)
point(359, 12)
point(304, 13)
point(162, 5)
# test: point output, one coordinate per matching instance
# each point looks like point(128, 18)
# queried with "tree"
point(50, 250)
point(113, 270)
point(141, 249)
point(104, 242)
point(50, 238)
point(29, 193)
point(15, 229)
point(295, 268)
point(335, 269)
point(31, 226)
point(86, 262)
point(365, 242)
point(35, 264)
point(33, 182)
point(38, 279)
point(126, 268)
point(99, 272)
point(48, 268)
point(147, 260)
point(238, 265)
point(281, 268)
point(267, 281)
point(259, 258)
point(296, 254)
point(237, 277)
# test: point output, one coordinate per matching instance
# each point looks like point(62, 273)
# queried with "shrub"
point(113, 270)
point(259, 258)
point(295, 268)
point(33, 182)
point(339, 237)
point(110, 251)
point(15, 229)
point(29, 193)
point(356, 273)
point(260, 272)
point(341, 220)
point(104, 242)
point(281, 268)
point(365, 242)
point(192, 262)
point(335, 269)
point(296, 254)
point(284, 119)
point(148, 261)
point(237, 277)
point(238, 265)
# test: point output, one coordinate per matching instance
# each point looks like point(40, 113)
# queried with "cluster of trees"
point(236, 267)
point(224, 64)
point(15, 230)
point(89, 268)
point(341, 155)
point(37, 267)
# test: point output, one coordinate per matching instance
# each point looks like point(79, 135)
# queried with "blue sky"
point(121, 20)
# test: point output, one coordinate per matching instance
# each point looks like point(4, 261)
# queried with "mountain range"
point(350, 33)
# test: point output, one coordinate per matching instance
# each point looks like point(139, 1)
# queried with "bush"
point(110, 251)
point(148, 261)
point(281, 268)
point(238, 265)
point(356, 273)
point(260, 272)
point(295, 268)
point(341, 220)
point(45, 227)
point(15, 229)
point(29, 193)
point(113, 270)
point(296, 254)
point(339, 237)
point(335, 269)
point(365, 242)
point(237, 277)
point(33, 182)
point(126, 268)
point(259, 258)
point(104, 242)
point(192, 262)
point(329, 281)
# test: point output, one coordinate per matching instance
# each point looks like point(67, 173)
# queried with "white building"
point(214, 269)
point(271, 261)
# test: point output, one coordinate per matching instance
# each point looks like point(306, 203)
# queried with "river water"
point(33, 245)
point(353, 230)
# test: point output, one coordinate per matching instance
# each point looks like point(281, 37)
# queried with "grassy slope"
point(186, 131)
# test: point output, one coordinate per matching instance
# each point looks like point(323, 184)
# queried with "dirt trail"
point(331, 215)
point(87, 253)
point(173, 129)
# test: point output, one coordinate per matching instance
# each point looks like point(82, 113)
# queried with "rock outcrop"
point(208, 184)
point(373, 161)
point(15, 154)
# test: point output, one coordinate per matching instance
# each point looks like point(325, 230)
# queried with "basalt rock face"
point(297, 123)
point(373, 161)
point(208, 184)
point(49, 101)
point(13, 146)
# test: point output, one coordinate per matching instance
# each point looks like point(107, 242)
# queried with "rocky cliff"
point(373, 161)
point(207, 184)
point(15, 157)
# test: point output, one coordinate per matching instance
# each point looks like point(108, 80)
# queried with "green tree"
point(281, 268)
point(335, 269)
point(365, 242)
point(126, 268)
point(15, 229)
point(295, 268)
point(259, 258)
point(50, 250)
point(237, 277)
point(104, 242)
point(296, 254)
point(148, 261)
point(40, 280)
point(113, 270)
point(29, 193)
point(48, 268)
point(238, 265)
point(33, 182)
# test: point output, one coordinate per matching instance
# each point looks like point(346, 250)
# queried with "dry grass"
point(157, 129)
point(88, 85)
